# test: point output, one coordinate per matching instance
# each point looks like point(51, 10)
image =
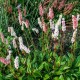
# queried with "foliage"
point(43, 62)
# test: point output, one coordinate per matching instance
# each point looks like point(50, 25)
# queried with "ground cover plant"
point(39, 40)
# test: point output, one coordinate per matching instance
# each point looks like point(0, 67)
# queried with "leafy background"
point(39, 64)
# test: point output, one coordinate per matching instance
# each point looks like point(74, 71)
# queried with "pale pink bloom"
point(9, 29)
point(59, 21)
point(27, 23)
point(51, 13)
point(18, 7)
point(40, 23)
point(9, 51)
point(22, 27)
point(6, 41)
point(35, 30)
point(68, 7)
point(13, 32)
point(4, 61)
point(75, 22)
point(20, 40)
point(8, 57)
point(61, 4)
point(51, 24)
point(52, 35)
point(2, 37)
point(55, 3)
point(20, 17)
point(44, 27)
point(16, 62)
point(22, 46)
point(78, 17)
point(24, 11)
point(73, 39)
point(42, 20)
point(63, 25)
point(14, 43)
point(41, 11)
point(56, 33)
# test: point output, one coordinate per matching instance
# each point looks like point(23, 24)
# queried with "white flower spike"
point(16, 62)
point(22, 46)
point(35, 30)
point(8, 57)
point(63, 25)
point(51, 24)
point(14, 43)
point(40, 23)
point(74, 36)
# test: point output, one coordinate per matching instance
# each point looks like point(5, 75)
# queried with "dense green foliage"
point(42, 63)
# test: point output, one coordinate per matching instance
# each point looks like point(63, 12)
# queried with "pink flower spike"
point(24, 10)
point(27, 23)
point(44, 27)
point(61, 4)
point(55, 3)
point(4, 61)
point(75, 22)
point(2, 37)
point(41, 11)
point(51, 14)
point(20, 17)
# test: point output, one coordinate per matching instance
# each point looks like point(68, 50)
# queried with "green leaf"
point(57, 62)
point(29, 77)
point(28, 66)
point(68, 78)
point(65, 67)
point(47, 66)
point(56, 78)
point(61, 77)
point(41, 66)
point(59, 72)
point(20, 78)
point(77, 62)
point(1, 76)
point(46, 77)
point(9, 76)
point(37, 73)
point(22, 69)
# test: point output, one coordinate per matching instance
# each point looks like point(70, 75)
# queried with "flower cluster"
point(35, 30)
point(73, 39)
point(20, 18)
point(75, 25)
point(22, 46)
point(56, 30)
point(16, 62)
point(6, 60)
